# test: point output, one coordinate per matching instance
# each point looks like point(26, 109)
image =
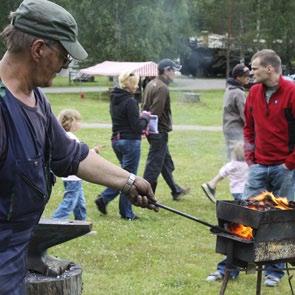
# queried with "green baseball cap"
point(45, 19)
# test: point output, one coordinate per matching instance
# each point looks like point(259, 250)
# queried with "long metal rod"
point(289, 278)
point(214, 227)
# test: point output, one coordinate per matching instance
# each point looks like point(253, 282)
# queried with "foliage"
point(136, 30)
point(130, 30)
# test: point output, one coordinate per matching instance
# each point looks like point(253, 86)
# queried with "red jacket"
point(269, 130)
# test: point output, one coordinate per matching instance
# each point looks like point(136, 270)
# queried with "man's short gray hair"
point(15, 40)
point(268, 57)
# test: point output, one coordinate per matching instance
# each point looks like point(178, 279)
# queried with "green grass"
point(94, 107)
point(162, 253)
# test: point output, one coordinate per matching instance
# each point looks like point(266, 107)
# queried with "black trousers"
point(159, 160)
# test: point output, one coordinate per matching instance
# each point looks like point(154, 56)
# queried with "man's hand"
point(141, 194)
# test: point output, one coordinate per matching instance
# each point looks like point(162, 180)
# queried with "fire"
point(267, 200)
point(240, 230)
point(263, 202)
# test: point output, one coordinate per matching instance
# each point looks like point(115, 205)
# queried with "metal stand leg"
point(224, 282)
point(289, 278)
point(258, 281)
point(228, 267)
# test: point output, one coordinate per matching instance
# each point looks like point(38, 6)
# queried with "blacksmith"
point(40, 41)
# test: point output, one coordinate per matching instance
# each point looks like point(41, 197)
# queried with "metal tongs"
point(213, 228)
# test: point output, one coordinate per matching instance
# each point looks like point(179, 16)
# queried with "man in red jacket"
point(269, 136)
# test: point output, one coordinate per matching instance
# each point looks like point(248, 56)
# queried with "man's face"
point(170, 74)
point(260, 73)
point(244, 80)
point(54, 59)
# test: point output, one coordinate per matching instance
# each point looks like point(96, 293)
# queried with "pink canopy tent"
point(115, 68)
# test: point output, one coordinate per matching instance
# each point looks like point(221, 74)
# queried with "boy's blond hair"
point(67, 117)
point(238, 151)
point(126, 77)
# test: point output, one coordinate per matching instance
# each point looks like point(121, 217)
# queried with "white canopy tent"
point(115, 68)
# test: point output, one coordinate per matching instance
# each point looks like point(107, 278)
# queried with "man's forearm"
point(96, 169)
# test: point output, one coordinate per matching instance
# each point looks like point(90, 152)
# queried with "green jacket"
point(156, 99)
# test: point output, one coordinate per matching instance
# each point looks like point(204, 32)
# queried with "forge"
point(267, 234)
point(273, 237)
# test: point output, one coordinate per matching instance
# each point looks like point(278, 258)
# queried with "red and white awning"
point(115, 68)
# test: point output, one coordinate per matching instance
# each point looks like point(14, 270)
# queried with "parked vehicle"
point(77, 76)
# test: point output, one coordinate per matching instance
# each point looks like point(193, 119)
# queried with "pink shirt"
point(237, 172)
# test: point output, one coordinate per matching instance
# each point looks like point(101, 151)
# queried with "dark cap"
point(240, 70)
point(168, 63)
point(45, 19)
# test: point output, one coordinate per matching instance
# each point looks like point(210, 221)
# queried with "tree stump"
point(69, 283)
point(191, 97)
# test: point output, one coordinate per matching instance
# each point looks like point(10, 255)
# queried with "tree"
point(6, 7)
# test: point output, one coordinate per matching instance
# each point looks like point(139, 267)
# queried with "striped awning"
point(115, 68)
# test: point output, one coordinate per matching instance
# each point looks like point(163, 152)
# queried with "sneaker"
point(209, 192)
point(91, 233)
point(101, 206)
point(271, 281)
point(179, 194)
point(135, 217)
point(215, 276)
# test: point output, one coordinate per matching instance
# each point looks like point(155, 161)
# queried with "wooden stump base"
point(69, 283)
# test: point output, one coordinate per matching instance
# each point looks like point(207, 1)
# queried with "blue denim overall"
point(25, 186)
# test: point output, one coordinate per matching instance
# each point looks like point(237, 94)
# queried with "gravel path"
point(175, 127)
point(180, 84)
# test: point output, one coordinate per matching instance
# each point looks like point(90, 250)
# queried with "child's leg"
point(69, 200)
point(214, 181)
point(80, 209)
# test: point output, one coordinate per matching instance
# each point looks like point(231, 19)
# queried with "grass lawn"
point(95, 109)
point(161, 253)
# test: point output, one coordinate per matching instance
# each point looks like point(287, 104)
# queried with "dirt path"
point(175, 127)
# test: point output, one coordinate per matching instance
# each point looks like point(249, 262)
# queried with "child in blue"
point(73, 200)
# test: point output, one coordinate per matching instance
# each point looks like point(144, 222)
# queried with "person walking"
point(127, 128)
point(41, 40)
point(156, 99)
point(269, 137)
point(73, 199)
point(233, 116)
point(237, 172)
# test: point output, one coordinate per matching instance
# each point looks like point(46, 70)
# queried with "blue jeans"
point(128, 153)
point(73, 201)
point(276, 179)
point(234, 270)
point(279, 181)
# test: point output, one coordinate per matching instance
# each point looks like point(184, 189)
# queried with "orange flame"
point(240, 230)
point(264, 201)
point(277, 202)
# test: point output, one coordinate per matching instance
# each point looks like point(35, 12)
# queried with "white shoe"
point(271, 281)
point(215, 276)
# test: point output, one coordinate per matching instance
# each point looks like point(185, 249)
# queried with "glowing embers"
point(264, 202)
point(267, 201)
